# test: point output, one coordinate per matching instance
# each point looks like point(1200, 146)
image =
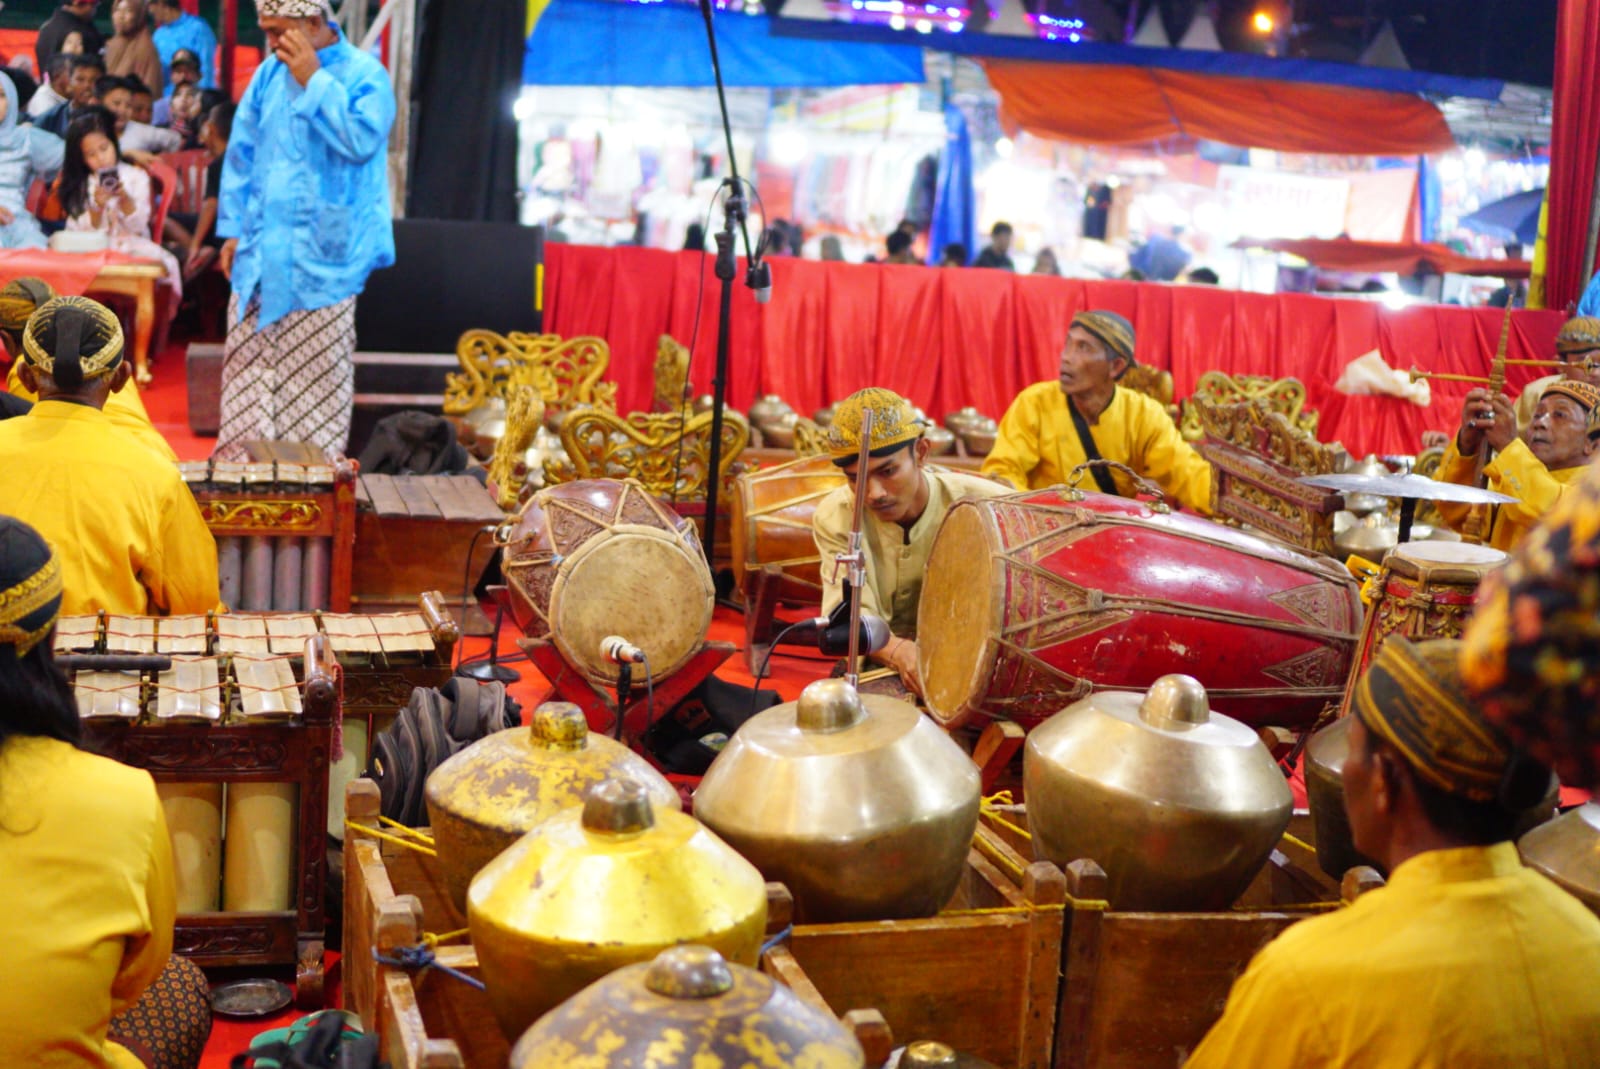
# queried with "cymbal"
point(1417, 487)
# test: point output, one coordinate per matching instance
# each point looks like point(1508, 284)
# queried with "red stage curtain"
point(948, 337)
point(1129, 105)
point(1574, 141)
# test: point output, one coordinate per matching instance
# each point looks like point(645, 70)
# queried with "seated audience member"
point(86, 72)
point(54, 90)
point(26, 155)
point(1578, 347)
point(1535, 468)
point(141, 107)
point(183, 116)
point(70, 28)
point(203, 241)
point(132, 51)
point(998, 252)
point(183, 69)
point(898, 245)
point(127, 530)
point(180, 36)
point(1202, 276)
point(1052, 427)
point(830, 248)
point(101, 191)
point(139, 142)
point(1045, 263)
point(19, 299)
point(86, 869)
point(953, 255)
point(907, 499)
point(1466, 959)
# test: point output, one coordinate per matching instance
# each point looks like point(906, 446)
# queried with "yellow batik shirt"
point(120, 519)
point(125, 408)
point(896, 558)
point(1515, 472)
point(1038, 446)
point(87, 880)
point(1466, 960)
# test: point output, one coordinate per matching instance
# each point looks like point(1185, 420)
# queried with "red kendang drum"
point(1032, 601)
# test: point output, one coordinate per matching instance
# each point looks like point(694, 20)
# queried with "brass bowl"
point(602, 886)
point(485, 798)
point(941, 441)
point(1567, 850)
point(687, 1009)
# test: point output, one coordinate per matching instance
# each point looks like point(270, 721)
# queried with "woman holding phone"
point(102, 191)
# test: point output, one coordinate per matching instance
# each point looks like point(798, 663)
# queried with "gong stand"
point(570, 685)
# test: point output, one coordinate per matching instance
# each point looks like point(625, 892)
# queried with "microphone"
point(619, 650)
point(759, 278)
point(832, 637)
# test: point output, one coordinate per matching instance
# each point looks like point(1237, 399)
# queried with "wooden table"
point(97, 272)
point(136, 280)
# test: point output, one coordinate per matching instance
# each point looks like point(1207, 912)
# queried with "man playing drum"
point(1052, 427)
point(1466, 958)
point(1536, 468)
point(906, 501)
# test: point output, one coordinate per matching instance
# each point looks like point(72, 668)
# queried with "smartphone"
point(109, 179)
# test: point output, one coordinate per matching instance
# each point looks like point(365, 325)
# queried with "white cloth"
point(142, 137)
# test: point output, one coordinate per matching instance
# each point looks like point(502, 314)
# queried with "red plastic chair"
point(163, 190)
point(190, 167)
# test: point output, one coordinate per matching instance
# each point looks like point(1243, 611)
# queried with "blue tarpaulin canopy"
point(592, 42)
point(1513, 218)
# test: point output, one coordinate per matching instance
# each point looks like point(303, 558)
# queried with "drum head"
point(643, 583)
point(1467, 553)
point(961, 602)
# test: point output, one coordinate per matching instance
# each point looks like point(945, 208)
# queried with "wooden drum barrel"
point(771, 522)
point(1033, 600)
point(599, 557)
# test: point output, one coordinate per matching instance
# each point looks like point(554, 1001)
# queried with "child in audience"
point(26, 154)
point(204, 243)
point(100, 191)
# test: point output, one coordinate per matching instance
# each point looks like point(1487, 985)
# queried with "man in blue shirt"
point(305, 216)
point(177, 29)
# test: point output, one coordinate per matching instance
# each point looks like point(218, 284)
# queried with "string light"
point(1262, 22)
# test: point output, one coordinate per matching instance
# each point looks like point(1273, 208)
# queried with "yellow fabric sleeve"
point(1165, 458)
point(1017, 444)
point(146, 955)
point(182, 579)
point(1520, 474)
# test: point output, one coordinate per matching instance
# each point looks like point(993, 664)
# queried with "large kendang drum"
point(771, 524)
point(1034, 600)
point(1179, 805)
point(597, 557)
point(687, 1009)
point(608, 884)
point(485, 798)
point(858, 803)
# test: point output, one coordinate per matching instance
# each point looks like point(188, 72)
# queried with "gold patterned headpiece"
point(1579, 335)
point(30, 586)
point(1587, 396)
point(1412, 697)
point(78, 326)
point(19, 299)
point(293, 9)
point(1114, 330)
point(894, 425)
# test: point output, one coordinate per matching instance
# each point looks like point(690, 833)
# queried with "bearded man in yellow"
point(1052, 427)
point(126, 529)
point(1535, 468)
point(906, 501)
point(1466, 959)
point(19, 299)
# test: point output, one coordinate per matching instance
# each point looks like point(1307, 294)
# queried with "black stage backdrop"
point(464, 147)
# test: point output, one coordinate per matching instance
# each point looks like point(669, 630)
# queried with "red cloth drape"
point(67, 272)
point(1574, 141)
point(953, 337)
point(1107, 104)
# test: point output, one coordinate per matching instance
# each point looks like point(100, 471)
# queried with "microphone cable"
point(766, 660)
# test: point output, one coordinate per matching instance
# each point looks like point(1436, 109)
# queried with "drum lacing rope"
point(421, 958)
point(421, 843)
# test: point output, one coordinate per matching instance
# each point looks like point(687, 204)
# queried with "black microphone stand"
point(757, 276)
point(493, 671)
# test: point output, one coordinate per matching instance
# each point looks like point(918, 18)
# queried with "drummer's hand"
point(1435, 439)
point(901, 655)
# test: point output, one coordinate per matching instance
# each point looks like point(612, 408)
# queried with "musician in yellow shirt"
point(1535, 468)
point(1466, 959)
point(907, 499)
point(1578, 347)
point(19, 299)
point(1043, 434)
point(126, 529)
point(86, 871)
